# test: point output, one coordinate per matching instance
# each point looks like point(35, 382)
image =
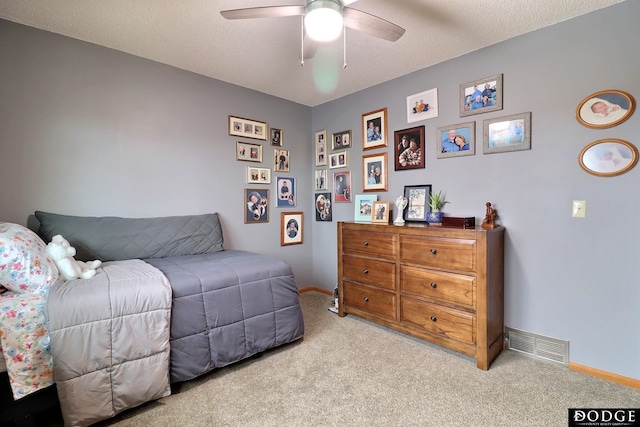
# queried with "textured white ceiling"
point(264, 54)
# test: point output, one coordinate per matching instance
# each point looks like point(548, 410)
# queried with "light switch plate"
point(579, 209)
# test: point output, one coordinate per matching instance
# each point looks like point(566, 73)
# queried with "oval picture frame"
point(608, 157)
point(605, 109)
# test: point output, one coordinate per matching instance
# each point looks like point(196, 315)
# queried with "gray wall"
point(568, 278)
point(89, 131)
point(86, 130)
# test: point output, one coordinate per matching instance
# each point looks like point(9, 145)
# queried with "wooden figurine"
point(489, 220)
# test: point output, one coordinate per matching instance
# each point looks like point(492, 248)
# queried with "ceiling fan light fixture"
point(323, 20)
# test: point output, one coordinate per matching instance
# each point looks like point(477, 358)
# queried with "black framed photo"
point(323, 207)
point(481, 96)
point(417, 202)
point(456, 140)
point(256, 205)
point(608, 157)
point(409, 152)
point(605, 109)
point(508, 133)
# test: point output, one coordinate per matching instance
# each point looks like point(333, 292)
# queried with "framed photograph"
point(247, 128)
point(456, 140)
point(248, 152)
point(256, 205)
point(286, 192)
point(321, 148)
point(422, 106)
point(280, 160)
point(374, 129)
point(380, 213)
point(338, 159)
point(290, 228)
point(608, 157)
point(605, 109)
point(321, 179)
point(364, 207)
point(342, 186)
point(323, 207)
point(409, 151)
point(481, 96)
point(509, 133)
point(417, 202)
point(258, 175)
point(276, 137)
point(341, 140)
point(374, 172)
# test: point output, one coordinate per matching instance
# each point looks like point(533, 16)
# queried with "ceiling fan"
point(323, 21)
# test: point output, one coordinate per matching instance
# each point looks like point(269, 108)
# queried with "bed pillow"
point(112, 238)
point(25, 266)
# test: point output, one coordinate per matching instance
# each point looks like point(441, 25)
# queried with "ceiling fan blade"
point(263, 12)
point(370, 24)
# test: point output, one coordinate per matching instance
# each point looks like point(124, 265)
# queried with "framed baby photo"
point(422, 106)
point(291, 228)
point(258, 175)
point(248, 152)
point(323, 207)
point(339, 159)
point(256, 205)
point(481, 96)
point(374, 172)
point(508, 133)
point(321, 148)
point(364, 207)
point(342, 186)
point(605, 109)
point(341, 140)
point(276, 137)
point(409, 152)
point(280, 160)
point(247, 128)
point(456, 140)
point(608, 157)
point(321, 179)
point(374, 129)
point(380, 212)
point(286, 192)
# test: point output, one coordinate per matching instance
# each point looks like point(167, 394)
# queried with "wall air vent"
point(538, 346)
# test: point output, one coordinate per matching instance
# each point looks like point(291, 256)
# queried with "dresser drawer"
point(369, 271)
point(440, 252)
point(448, 322)
point(371, 300)
point(381, 245)
point(451, 287)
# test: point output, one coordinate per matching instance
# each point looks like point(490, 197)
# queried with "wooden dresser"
point(444, 285)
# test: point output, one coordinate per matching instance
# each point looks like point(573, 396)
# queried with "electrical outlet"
point(579, 209)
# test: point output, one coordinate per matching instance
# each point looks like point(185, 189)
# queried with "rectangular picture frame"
point(456, 140)
point(375, 172)
point(341, 140)
point(248, 152)
point(374, 129)
point(321, 148)
point(291, 228)
point(256, 205)
point(324, 208)
point(339, 159)
point(281, 160)
point(380, 212)
point(286, 192)
point(342, 186)
point(422, 106)
point(417, 202)
point(405, 157)
point(491, 86)
point(321, 179)
point(507, 133)
point(275, 135)
point(247, 128)
point(363, 207)
point(258, 175)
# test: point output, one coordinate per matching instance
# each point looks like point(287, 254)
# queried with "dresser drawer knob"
point(433, 251)
point(365, 243)
point(434, 285)
point(365, 271)
point(434, 318)
point(366, 299)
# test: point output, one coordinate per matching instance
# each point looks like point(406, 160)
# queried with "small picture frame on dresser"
point(380, 212)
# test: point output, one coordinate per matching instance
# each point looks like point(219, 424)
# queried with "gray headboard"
point(112, 238)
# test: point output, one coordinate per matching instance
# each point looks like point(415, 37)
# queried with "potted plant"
point(436, 203)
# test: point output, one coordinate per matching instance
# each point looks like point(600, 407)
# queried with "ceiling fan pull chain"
point(302, 40)
point(344, 46)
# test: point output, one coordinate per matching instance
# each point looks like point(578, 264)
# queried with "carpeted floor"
point(349, 372)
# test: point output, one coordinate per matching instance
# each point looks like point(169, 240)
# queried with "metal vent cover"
point(538, 346)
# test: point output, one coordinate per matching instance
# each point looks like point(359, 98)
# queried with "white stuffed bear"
point(62, 253)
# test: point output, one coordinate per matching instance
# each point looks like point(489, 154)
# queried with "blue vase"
point(435, 217)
